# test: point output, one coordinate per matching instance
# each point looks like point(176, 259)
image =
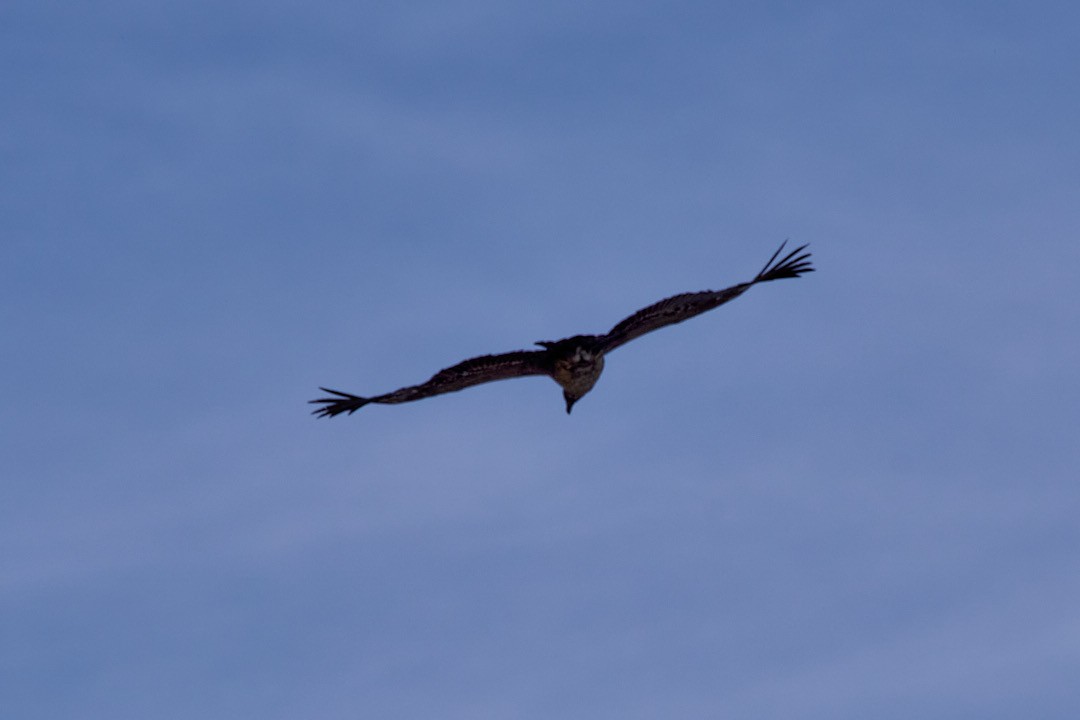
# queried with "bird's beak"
point(570, 404)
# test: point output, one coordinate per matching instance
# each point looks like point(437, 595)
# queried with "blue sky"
point(850, 496)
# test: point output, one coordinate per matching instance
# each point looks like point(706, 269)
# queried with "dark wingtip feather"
point(791, 265)
point(344, 403)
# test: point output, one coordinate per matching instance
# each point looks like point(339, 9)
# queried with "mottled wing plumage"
point(474, 371)
point(677, 308)
point(668, 311)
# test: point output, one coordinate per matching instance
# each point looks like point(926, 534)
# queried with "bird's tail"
point(791, 266)
point(343, 403)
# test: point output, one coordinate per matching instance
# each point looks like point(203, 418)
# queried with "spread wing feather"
point(474, 371)
point(677, 308)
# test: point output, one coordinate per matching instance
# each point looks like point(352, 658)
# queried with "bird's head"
point(570, 400)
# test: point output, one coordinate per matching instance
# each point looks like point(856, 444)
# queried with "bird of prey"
point(574, 362)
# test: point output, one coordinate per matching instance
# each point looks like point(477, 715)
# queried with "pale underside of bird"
point(575, 363)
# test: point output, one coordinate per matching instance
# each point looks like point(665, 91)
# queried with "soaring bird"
point(574, 362)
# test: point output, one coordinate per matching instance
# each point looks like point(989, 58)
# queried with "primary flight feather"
point(576, 362)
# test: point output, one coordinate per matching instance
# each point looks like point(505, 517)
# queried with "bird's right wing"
point(474, 371)
point(677, 308)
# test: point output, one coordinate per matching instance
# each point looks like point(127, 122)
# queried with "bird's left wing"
point(474, 371)
point(677, 308)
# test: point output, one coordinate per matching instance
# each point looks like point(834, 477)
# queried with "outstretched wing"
point(475, 371)
point(677, 308)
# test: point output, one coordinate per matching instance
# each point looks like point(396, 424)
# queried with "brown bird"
point(575, 362)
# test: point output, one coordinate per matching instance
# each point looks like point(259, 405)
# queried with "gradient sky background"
point(854, 495)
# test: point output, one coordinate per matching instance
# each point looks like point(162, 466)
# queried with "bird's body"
point(575, 363)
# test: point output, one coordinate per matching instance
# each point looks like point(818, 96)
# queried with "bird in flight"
point(574, 362)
